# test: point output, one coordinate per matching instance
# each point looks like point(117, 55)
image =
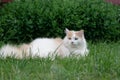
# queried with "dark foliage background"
point(25, 20)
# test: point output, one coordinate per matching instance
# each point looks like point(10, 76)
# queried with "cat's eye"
point(76, 38)
point(69, 38)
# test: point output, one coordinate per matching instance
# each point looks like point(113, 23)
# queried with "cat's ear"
point(81, 33)
point(66, 30)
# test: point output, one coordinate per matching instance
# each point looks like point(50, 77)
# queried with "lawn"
point(103, 63)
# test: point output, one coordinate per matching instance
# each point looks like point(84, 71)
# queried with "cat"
point(74, 43)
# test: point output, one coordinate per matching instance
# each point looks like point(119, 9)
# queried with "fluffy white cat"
point(74, 43)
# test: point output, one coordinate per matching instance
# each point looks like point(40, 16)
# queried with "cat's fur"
point(73, 43)
point(18, 52)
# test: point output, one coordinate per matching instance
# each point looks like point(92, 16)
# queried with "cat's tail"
point(18, 52)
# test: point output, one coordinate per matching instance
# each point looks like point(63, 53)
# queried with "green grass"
point(103, 63)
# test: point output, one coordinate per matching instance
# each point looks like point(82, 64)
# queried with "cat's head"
point(74, 38)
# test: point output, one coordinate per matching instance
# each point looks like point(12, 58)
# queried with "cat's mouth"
point(73, 45)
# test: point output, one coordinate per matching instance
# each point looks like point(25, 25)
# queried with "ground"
point(102, 63)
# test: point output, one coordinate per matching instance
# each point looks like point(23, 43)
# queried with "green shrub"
point(24, 20)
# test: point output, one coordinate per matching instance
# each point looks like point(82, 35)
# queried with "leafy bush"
point(24, 20)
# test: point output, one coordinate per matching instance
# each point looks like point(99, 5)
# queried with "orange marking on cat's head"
point(70, 33)
point(80, 33)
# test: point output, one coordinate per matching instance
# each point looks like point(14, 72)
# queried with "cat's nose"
point(72, 42)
